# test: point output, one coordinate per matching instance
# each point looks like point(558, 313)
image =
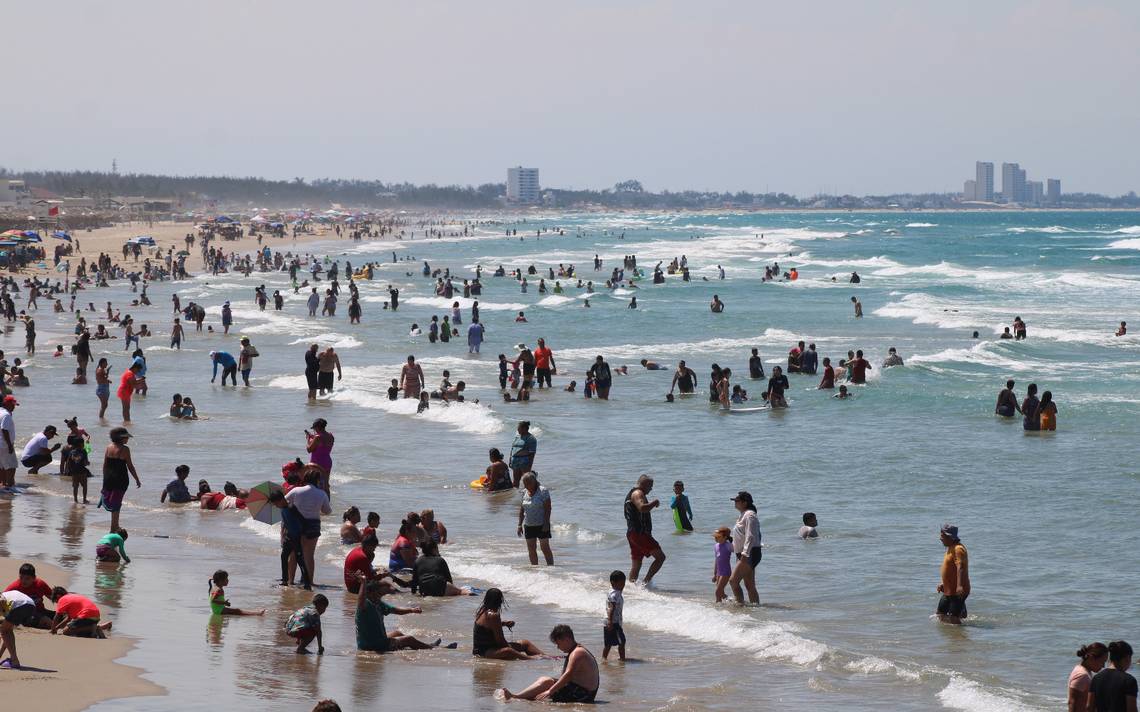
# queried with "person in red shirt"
point(544, 363)
point(859, 368)
point(36, 589)
point(79, 613)
point(359, 561)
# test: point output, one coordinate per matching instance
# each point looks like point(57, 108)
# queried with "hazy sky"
point(858, 97)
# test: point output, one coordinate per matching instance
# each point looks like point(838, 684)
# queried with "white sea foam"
point(337, 341)
point(1050, 230)
point(921, 224)
point(1130, 230)
point(554, 300)
point(1133, 244)
point(666, 614)
point(963, 694)
point(770, 337)
point(464, 304)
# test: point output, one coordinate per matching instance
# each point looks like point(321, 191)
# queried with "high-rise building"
point(522, 185)
point(970, 190)
point(1034, 192)
point(984, 181)
point(1053, 192)
point(1012, 183)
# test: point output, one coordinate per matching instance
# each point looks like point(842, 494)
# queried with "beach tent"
point(142, 240)
point(224, 219)
point(258, 219)
point(61, 235)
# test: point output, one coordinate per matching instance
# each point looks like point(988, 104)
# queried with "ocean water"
point(845, 621)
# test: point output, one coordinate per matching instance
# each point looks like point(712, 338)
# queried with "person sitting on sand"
point(431, 575)
point(370, 611)
point(579, 680)
point(349, 533)
point(80, 614)
point(219, 606)
point(488, 640)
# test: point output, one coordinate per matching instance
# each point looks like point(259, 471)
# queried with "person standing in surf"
point(638, 509)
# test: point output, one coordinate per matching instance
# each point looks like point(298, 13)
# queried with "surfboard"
point(757, 409)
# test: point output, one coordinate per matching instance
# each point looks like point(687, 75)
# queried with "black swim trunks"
point(573, 692)
point(536, 532)
point(952, 606)
point(613, 635)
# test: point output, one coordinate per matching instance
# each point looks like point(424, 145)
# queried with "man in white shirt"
point(310, 502)
point(8, 460)
point(37, 452)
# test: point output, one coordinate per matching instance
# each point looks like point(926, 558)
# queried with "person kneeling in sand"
point(579, 680)
point(79, 613)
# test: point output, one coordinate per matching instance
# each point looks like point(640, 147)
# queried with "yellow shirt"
point(955, 556)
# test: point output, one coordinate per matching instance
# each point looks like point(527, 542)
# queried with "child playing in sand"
point(219, 606)
point(305, 624)
point(722, 561)
point(80, 614)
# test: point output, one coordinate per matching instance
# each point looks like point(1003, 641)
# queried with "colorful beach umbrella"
point(259, 506)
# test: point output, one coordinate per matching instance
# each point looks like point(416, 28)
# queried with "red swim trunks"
point(641, 545)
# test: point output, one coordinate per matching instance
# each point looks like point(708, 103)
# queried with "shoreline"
point(73, 673)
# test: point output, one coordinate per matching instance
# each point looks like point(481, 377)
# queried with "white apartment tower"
point(522, 185)
point(983, 181)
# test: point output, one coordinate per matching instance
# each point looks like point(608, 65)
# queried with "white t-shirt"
point(807, 532)
point(35, 446)
point(615, 601)
point(15, 599)
point(8, 424)
point(310, 501)
point(534, 514)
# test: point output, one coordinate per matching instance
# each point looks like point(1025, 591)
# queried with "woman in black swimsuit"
point(488, 640)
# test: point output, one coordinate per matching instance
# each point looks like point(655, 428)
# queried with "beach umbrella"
point(61, 235)
point(259, 506)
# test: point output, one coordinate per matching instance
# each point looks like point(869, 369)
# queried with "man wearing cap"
point(955, 586)
point(228, 364)
point(227, 322)
point(639, 529)
point(37, 452)
point(8, 461)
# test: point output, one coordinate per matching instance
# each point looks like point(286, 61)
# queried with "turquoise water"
point(845, 620)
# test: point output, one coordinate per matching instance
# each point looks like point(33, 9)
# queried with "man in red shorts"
point(639, 530)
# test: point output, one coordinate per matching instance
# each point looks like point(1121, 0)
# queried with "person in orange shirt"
point(544, 363)
point(955, 586)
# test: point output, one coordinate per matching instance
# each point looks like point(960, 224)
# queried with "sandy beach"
point(68, 674)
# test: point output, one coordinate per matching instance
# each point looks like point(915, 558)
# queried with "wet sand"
point(62, 673)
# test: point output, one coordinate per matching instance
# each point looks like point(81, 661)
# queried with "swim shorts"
point(1005, 411)
point(82, 623)
point(952, 606)
point(103, 551)
point(21, 614)
point(641, 545)
point(573, 692)
point(112, 500)
point(613, 636)
point(536, 532)
point(755, 554)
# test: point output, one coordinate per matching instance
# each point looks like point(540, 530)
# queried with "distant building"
point(1053, 191)
point(984, 181)
point(522, 185)
point(1034, 192)
point(1013, 183)
point(970, 190)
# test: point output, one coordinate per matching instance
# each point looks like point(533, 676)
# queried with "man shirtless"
point(1007, 402)
point(579, 680)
